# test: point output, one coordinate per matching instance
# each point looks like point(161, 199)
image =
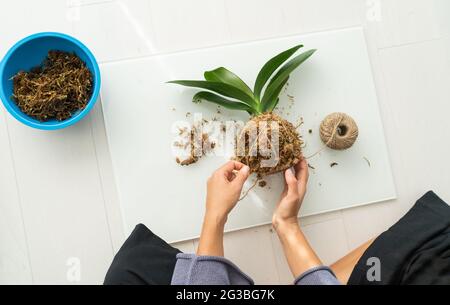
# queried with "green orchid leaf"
point(270, 105)
point(273, 88)
point(270, 67)
point(223, 75)
point(220, 88)
point(221, 101)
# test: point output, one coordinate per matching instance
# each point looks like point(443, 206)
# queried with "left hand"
point(224, 189)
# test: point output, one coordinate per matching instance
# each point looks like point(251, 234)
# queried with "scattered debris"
point(213, 145)
point(262, 183)
point(311, 167)
point(188, 161)
point(334, 164)
point(291, 101)
point(310, 131)
point(188, 114)
point(300, 122)
point(181, 144)
point(199, 146)
point(182, 131)
point(368, 162)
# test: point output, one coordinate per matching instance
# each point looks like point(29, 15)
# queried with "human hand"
point(224, 189)
point(286, 213)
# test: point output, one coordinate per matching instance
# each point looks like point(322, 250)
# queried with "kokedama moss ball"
point(256, 146)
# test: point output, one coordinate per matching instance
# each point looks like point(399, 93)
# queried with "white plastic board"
point(140, 110)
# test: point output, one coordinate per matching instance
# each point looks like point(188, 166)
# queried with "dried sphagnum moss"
point(61, 86)
point(287, 154)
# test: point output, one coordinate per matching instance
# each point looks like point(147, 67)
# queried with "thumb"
point(291, 183)
point(242, 176)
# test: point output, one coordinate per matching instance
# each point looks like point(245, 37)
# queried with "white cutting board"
point(140, 110)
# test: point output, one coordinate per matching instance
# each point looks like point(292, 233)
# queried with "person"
point(416, 250)
point(208, 266)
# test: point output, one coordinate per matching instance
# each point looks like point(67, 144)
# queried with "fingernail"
point(290, 172)
point(246, 169)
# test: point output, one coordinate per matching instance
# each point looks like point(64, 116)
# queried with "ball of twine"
point(339, 131)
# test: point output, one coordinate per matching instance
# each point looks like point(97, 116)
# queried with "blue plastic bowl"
point(29, 53)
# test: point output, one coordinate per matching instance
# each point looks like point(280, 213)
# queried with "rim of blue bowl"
point(78, 116)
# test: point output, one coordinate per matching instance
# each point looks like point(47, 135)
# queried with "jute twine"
point(339, 131)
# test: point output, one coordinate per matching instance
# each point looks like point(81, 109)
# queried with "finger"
point(298, 168)
point(238, 165)
point(229, 170)
point(230, 166)
point(227, 167)
point(302, 175)
point(291, 182)
point(226, 170)
point(242, 176)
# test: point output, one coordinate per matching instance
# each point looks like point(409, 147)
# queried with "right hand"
point(286, 213)
point(224, 189)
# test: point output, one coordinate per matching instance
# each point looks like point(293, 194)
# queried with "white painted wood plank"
point(251, 250)
point(328, 239)
point(108, 183)
point(62, 202)
point(446, 42)
point(20, 18)
point(74, 3)
point(309, 220)
point(401, 21)
point(442, 14)
point(14, 257)
point(186, 246)
point(365, 223)
point(302, 16)
point(180, 25)
point(417, 98)
point(116, 30)
point(250, 20)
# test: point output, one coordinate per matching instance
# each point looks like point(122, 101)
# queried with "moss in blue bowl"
point(61, 86)
point(31, 52)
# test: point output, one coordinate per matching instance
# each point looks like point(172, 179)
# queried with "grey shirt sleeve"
point(321, 275)
point(191, 269)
